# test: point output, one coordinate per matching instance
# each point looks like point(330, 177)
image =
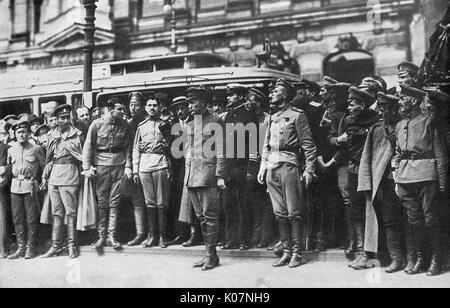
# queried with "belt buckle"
point(21, 177)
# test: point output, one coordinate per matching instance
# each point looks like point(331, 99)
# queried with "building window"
point(19, 18)
point(152, 8)
point(121, 9)
point(212, 4)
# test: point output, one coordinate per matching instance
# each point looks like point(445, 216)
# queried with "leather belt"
point(113, 150)
point(65, 161)
point(416, 156)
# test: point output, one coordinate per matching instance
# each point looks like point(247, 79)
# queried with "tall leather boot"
point(411, 254)
point(112, 241)
point(195, 239)
point(21, 245)
point(162, 223)
point(418, 235)
point(72, 237)
point(297, 240)
point(395, 250)
point(437, 253)
point(210, 234)
point(283, 225)
point(102, 224)
point(350, 250)
point(359, 237)
point(152, 221)
point(57, 238)
point(32, 241)
point(139, 218)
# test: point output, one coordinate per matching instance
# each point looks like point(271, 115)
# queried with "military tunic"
point(286, 139)
point(151, 163)
point(108, 148)
point(64, 156)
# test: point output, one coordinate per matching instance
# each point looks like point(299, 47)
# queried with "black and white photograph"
point(223, 149)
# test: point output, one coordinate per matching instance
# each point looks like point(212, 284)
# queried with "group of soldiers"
point(378, 155)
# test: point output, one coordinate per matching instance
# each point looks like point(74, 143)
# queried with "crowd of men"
point(376, 155)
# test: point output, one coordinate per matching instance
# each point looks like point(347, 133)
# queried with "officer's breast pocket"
point(102, 139)
point(120, 138)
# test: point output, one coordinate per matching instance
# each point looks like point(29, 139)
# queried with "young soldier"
point(352, 137)
point(26, 162)
point(376, 179)
point(421, 164)
point(62, 174)
point(151, 168)
point(108, 149)
point(205, 170)
point(237, 211)
point(138, 115)
point(288, 135)
point(262, 213)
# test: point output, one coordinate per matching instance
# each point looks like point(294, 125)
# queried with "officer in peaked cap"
point(407, 73)
point(289, 137)
point(199, 93)
point(326, 80)
point(237, 209)
point(421, 165)
point(373, 84)
point(163, 99)
point(41, 135)
point(64, 152)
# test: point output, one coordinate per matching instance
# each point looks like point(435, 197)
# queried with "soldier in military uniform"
point(135, 190)
point(352, 137)
point(288, 135)
point(407, 73)
point(376, 180)
point(108, 149)
point(62, 174)
point(262, 213)
point(151, 168)
point(181, 208)
point(25, 162)
point(237, 211)
point(205, 170)
point(421, 165)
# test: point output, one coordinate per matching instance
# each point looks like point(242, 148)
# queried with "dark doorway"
point(349, 66)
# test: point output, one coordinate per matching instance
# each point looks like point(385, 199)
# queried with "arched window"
point(349, 66)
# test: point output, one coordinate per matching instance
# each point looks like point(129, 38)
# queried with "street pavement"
point(161, 271)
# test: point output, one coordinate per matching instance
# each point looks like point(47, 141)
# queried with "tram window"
point(15, 107)
point(48, 103)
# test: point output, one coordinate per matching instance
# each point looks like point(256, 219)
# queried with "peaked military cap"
point(285, 84)
point(41, 130)
point(387, 99)
point(20, 124)
point(236, 88)
point(308, 84)
point(35, 119)
point(355, 92)
point(408, 67)
point(326, 81)
point(340, 86)
point(377, 81)
point(437, 97)
point(62, 110)
point(180, 100)
point(10, 117)
point(411, 91)
point(263, 98)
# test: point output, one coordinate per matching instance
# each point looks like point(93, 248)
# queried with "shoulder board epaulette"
point(143, 122)
point(297, 109)
point(315, 104)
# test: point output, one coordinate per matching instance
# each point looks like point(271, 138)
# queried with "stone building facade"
point(342, 38)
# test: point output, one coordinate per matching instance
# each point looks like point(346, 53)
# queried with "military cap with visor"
point(179, 101)
point(437, 97)
point(310, 85)
point(41, 130)
point(62, 110)
point(405, 90)
point(326, 81)
point(21, 124)
point(365, 97)
point(198, 93)
point(405, 68)
point(387, 99)
point(259, 95)
point(287, 85)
